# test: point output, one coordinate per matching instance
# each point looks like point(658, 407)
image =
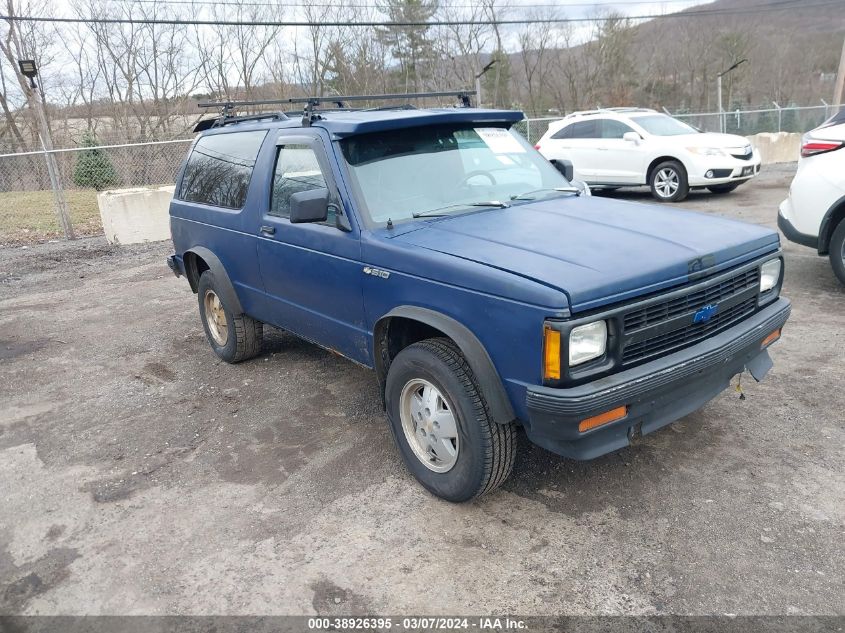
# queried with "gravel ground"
point(139, 475)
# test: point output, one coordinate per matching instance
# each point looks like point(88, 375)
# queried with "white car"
point(814, 212)
point(624, 147)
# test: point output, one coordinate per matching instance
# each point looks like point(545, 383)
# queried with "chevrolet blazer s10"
point(437, 247)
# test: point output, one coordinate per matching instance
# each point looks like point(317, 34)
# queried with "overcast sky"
point(587, 8)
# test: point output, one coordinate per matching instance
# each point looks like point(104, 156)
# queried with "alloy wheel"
point(667, 182)
point(429, 423)
point(215, 317)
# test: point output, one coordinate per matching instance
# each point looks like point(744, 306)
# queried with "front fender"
point(472, 349)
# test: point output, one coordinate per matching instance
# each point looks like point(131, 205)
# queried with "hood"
point(714, 139)
point(597, 251)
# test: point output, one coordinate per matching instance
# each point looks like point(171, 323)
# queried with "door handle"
point(268, 230)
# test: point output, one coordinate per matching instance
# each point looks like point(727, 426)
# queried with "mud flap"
point(760, 365)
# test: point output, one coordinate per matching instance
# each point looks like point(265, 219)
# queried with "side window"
point(297, 169)
point(613, 129)
point(565, 132)
point(219, 169)
point(585, 129)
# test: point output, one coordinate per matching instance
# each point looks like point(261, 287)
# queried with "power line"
point(764, 8)
point(369, 5)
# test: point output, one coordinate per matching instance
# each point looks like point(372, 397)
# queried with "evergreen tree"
point(94, 169)
point(766, 121)
point(409, 45)
point(496, 82)
point(789, 121)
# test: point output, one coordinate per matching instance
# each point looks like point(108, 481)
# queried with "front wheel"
point(726, 188)
point(441, 424)
point(837, 251)
point(668, 182)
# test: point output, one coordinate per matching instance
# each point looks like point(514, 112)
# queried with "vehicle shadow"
point(626, 481)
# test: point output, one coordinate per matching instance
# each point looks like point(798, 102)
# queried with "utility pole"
point(722, 124)
point(840, 79)
point(29, 70)
point(478, 81)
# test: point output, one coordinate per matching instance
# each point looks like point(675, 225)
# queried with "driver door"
point(311, 272)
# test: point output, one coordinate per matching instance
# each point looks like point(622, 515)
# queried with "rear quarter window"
point(219, 169)
point(565, 132)
point(585, 129)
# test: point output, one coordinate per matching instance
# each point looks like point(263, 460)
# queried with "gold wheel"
point(215, 317)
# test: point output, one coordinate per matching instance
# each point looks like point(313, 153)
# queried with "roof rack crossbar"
point(228, 107)
point(337, 99)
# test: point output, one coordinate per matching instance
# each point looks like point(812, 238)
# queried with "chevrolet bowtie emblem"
point(706, 313)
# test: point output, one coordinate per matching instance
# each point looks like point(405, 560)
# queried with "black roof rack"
point(225, 119)
point(309, 112)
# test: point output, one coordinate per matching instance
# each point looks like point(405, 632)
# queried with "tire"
point(233, 338)
point(668, 182)
point(726, 188)
point(837, 251)
point(601, 191)
point(481, 455)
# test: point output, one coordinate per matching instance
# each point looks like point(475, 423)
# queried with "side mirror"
point(565, 167)
point(632, 137)
point(309, 206)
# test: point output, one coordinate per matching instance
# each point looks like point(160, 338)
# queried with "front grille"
point(657, 312)
point(639, 346)
point(747, 156)
point(688, 335)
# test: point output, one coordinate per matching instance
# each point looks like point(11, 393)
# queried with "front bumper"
point(723, 170)
point(790, 232)
point(175, 263)
point(656, 393)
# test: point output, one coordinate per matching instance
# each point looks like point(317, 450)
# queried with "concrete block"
point(136, 215)
point(777, 147)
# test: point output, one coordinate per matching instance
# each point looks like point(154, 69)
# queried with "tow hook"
point(172, 265)
point(635, 433)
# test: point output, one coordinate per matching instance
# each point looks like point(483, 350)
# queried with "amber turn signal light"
point(771, 338)
point(603, 418)
point(551, 353)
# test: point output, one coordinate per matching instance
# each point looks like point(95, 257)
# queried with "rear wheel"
point(668, 182)
point(441, 423)
point(837, 251)
point(232, 337)
point(726, 188)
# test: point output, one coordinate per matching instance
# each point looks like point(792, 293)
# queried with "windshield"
point(662, 125)
point(445, 170)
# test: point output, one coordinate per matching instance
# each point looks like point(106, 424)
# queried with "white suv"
point(814, 212)
point(623, 147)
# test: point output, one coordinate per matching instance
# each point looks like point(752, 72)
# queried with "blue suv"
point(437, 247)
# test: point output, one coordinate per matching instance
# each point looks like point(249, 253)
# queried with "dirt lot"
point(138, 474)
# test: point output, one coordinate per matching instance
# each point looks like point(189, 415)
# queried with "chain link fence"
point(743, 122)
point(97, 168)
point(746, 122)
point(27, 203)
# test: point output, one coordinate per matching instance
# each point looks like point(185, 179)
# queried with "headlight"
point(587, 342)
point(770, 274)
point(707, 151)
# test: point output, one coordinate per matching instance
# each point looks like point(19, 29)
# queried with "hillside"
point(792, 49)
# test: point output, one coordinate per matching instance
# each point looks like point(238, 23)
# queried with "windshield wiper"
point(527, 194)
point(435, 213)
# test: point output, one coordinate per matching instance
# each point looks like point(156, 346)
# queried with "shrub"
point(94, 169)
